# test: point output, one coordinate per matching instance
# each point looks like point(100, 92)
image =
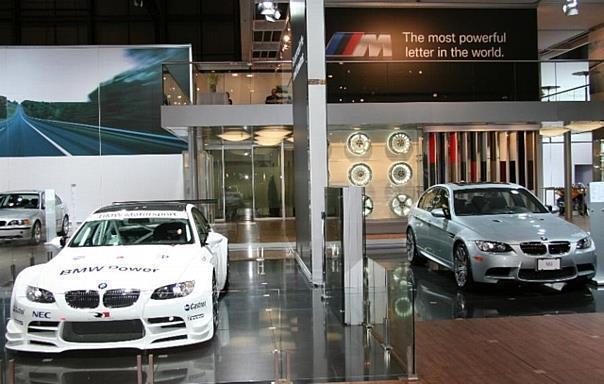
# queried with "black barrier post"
point(13, 272)
point(32, 261)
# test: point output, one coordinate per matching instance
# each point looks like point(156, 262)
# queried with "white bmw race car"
point(135, 275)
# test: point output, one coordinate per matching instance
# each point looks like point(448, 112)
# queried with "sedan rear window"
point(495, 201)
point(133, 231)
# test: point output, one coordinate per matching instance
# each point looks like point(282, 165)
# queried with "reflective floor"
point(273, 325)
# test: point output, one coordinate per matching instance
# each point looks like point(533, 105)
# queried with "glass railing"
point(186, 83)
point(390, 310)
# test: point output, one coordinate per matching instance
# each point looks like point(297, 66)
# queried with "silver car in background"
point(22, 216)
point(492, 232)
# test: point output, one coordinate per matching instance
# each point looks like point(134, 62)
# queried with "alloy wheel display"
point(360, 174)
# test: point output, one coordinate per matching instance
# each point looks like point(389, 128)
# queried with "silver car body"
point(535, 240)
point(18, 221)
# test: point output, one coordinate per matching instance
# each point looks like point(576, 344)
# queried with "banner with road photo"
point(84, 101)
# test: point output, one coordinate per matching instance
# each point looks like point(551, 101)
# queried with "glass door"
point(238, 185)
point(267, 182)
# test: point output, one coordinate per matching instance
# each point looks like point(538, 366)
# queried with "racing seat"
point(173, 232)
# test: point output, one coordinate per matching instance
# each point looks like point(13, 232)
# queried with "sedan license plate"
point(548, 264)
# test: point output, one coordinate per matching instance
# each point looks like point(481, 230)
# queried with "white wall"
point(87, 182)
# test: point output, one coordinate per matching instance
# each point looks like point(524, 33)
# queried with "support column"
point(193, 171)
point(568, 177)
point(310, 131)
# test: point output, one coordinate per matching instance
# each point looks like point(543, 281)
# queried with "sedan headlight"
point(39, 295)
point(19, 222)
point(173, 291)
point(584, 243)
point(493, 246)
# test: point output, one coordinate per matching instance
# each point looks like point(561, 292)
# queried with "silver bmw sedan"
point(487, 233)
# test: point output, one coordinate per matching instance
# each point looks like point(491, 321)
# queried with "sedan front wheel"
point(462, 268)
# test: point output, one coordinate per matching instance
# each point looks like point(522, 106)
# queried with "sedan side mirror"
point(441, 213)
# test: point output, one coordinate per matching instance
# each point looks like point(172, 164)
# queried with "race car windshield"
point(133, 231)
point(495, 201)
point(20, 200)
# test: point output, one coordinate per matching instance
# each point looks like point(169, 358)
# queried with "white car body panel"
point(41, 327)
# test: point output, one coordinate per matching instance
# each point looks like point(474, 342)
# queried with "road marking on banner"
point(48, 139)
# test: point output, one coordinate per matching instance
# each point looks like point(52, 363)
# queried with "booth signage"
point(431, 34)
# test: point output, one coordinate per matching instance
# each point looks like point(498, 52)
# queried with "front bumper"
point(15, 233)
point(53, 328)
point(515, 265)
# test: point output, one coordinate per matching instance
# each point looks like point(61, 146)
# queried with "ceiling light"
point(551, 132)
point(234, 136)
point(273, 133)
point(584, 126)
point(268, 142)
point(571, 7)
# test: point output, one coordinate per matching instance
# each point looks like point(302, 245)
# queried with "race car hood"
point(516, 228)
point(142, 267)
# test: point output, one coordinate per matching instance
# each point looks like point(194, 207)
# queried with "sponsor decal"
point(194, 306)
point(165, 256)
point(102, 285)
point(101, 315)
point(40, 315)
point(18, 310)
point(196, 317)
point(76, 258)
point(108, 268)
point(18, 321)
point(359, 44)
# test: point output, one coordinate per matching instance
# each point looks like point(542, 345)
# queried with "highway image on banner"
point(86, 102)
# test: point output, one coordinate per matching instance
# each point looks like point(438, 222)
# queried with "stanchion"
point(13, 271)
point(150, 370)
point(32, 261)
point(10, 374)
point(139, 369)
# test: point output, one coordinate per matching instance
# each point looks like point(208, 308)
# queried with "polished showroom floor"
point(273, 325)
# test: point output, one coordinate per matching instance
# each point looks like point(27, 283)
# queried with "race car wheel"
point(36, 233)
point(215, 295)
point(64, 226)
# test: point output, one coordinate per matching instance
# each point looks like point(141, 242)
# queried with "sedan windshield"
point(133, 231)
point(20, 200)
point(495, 201)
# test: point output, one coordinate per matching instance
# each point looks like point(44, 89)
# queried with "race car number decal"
point(110, 268)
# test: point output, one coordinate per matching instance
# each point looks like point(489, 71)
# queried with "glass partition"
point(227, 83)
point(390, 310)
point(333, 254)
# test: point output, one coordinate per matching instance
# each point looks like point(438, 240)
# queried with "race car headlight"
point(18, 222)
point(493, 246)
point(39, 295)
point(173, 291)
point(584, 243)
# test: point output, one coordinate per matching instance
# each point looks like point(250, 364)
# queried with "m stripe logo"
point(359, 44)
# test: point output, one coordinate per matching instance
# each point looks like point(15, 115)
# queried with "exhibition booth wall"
point(85, 122)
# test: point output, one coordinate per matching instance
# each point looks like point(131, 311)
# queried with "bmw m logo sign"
point(359, 44)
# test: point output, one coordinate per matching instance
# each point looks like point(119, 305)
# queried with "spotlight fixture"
point(138, 3)
point(571, 7)
point(269, 10)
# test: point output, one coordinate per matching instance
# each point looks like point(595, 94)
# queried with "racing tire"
point(36, 233)
point(462, 267)
point(413, 255)
point(64, 226)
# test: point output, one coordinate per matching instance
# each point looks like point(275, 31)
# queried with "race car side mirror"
point(63, 241)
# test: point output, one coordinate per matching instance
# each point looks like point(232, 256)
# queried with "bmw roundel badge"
point(102, 285)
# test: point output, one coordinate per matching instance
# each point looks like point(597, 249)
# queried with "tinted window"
point(495, 201)
point(427, 199)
